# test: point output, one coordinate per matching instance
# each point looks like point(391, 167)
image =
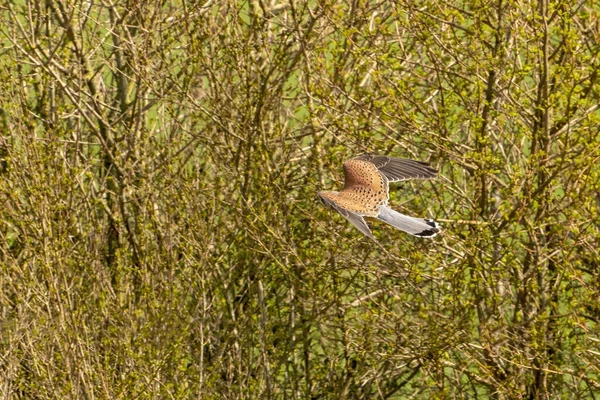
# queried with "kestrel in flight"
point(366, 193)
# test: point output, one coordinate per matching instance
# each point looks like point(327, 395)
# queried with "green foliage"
point(159, 236)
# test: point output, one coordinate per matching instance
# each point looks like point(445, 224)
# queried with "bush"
point(160, 235)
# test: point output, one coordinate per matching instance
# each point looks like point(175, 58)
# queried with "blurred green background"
point(159, 234)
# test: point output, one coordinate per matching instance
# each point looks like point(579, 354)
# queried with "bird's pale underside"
point(366, 193)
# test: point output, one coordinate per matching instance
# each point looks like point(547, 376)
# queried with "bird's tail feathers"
point(421, 227)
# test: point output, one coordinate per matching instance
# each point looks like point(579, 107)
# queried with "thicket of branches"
point(159, 236)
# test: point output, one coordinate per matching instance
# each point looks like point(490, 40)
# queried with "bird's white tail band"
point(425, 228)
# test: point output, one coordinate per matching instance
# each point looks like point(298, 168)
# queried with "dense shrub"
point(159, 236)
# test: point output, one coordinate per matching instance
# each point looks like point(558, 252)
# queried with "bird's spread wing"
point(365, 188)
point(360, 224)
point(359, 172)
point(399, 169)
point(355, 219)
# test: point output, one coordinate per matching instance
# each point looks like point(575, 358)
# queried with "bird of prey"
point(366, 193)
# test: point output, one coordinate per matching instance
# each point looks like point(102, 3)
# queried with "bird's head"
point(325, 196)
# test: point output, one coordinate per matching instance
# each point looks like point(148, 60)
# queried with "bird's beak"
point(320, 199)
